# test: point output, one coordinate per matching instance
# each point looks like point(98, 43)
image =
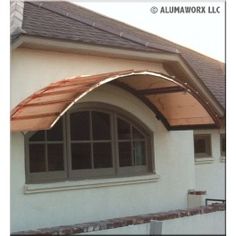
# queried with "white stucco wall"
point(32, 70)
point(213, 223)
point(210, 175)
point(174, 160)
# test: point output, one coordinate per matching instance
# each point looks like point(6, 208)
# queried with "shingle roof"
point(63, 20)
point(42, 22)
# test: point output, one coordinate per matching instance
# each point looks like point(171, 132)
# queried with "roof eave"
point(55, 44)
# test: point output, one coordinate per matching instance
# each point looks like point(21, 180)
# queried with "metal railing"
point(209, 201)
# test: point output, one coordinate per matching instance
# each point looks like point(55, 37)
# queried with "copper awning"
point(176, 103)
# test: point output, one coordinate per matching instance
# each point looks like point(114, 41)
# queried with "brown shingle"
point(63, 20)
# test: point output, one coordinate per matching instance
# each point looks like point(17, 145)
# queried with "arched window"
point(90, 141)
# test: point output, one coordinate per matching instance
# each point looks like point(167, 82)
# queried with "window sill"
point(87, 184)
point(203, 160)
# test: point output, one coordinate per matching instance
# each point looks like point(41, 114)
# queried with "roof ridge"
point(100, 26)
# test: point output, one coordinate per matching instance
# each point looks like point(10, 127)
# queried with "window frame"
point(87, 173)
point(134, 169)
point(43, 177)
point(113, 172)
point(222, 153)
point(207, 139)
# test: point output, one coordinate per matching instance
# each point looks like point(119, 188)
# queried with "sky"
point(203, 31)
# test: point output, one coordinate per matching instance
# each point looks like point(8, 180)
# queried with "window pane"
point(81, 156)
point(37, 157)
point(125, 155)
point(55, 157)
point(55, 133)
point(200, 146)
point(38, 136)
point(137, 134)
point(101, 126)
point(139, 153)
point(123, 129)
point(223, 144)
point(79, 126)
point(102, 155)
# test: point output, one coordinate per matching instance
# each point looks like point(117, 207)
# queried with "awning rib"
point(47, 103)
point(173, 89)
point(174, 102)
point(29, 117)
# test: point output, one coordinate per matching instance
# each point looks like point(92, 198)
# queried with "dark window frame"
point(222, 142)
point(134, 169)
point(115, 171)
point(41, 177)
point(87, 173)
point(208, 143)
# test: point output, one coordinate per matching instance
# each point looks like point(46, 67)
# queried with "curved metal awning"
point(176, 103)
